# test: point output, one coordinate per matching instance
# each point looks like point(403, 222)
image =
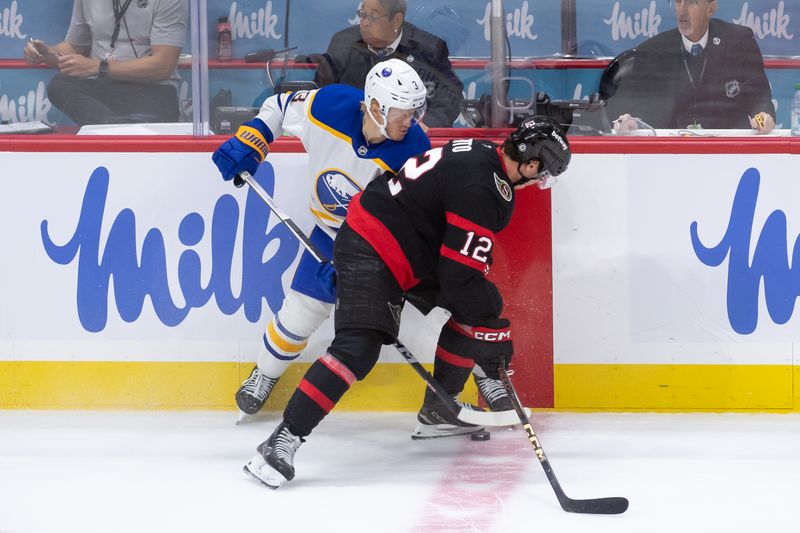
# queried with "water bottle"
point(796, 110)
point(224, 44)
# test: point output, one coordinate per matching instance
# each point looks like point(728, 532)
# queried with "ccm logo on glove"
point(493, 336)
point(501, 333)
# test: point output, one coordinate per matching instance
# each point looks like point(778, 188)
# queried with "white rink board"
point(39, 313)
point(628, 285)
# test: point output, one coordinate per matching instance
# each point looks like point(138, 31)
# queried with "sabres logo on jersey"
point(335, 190)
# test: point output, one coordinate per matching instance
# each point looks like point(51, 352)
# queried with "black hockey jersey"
point(435, 222)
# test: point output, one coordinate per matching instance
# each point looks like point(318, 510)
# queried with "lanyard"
point(119, 12)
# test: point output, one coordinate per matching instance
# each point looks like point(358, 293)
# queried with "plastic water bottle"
point(796, 110)
point(224, 39)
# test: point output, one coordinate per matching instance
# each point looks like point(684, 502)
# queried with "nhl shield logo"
point(732, 88)
point(362, 150)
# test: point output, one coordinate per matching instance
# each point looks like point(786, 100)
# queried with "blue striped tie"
point(696, 50)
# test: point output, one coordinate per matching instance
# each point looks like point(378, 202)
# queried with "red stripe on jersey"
point(316, 395)
point(468, 225)
point(382, 241)
point(338, 368)
point(451, 254)
point(453, 359)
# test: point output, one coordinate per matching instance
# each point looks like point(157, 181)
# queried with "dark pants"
point(104, 101)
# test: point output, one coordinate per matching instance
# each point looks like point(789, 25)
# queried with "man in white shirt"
point(117, 65)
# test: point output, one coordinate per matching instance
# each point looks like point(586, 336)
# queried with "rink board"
point(141, 280)
point(651, 313)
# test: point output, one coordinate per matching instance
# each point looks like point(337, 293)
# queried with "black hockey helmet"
point(541, 138)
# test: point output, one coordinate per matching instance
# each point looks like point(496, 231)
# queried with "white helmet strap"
point(381, 127)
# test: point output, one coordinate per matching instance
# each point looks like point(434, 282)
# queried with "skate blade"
point(437, 431)
point(491, 418)
point(260, 470)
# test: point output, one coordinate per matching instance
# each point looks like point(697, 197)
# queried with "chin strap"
point(381, 127)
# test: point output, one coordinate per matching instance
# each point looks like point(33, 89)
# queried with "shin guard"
point(317, 393)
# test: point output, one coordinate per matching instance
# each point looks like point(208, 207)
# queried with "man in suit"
point(705, 73)
point(383, 34)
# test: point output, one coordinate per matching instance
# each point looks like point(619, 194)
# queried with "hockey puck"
point(481, 435)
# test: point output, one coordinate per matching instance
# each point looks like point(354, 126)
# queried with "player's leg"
point(304, 309)
point(367, 294)
point(451, 371)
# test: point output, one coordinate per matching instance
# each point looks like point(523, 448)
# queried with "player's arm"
point(476, 330)
point(250, 145)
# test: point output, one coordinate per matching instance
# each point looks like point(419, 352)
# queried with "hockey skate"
point(254, 392)
point(274, 463)
point(495, 394)
point(435, 420)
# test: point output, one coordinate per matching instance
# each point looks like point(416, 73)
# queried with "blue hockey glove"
point(244, 151)
point(326, 277)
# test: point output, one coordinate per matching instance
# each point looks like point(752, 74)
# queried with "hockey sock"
point(317, 393)
point(283, 346)
point(451, 370)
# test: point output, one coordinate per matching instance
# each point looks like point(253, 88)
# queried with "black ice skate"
point(274, 464)
point(254, 392)
point(436, 420)
point(495, 394)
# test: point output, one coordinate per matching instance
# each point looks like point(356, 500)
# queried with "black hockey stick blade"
point(612, 505)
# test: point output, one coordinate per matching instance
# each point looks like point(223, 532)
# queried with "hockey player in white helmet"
point(350, 137)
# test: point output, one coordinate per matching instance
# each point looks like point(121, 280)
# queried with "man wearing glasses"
point(706, 73)
point(383, 33)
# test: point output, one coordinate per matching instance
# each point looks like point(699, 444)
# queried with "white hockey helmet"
point(394, 84)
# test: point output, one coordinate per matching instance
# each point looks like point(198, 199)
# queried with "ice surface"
point(182, 471)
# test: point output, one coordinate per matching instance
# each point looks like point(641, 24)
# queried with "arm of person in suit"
point(759, 95)
point(445, 104)
point(330, 63)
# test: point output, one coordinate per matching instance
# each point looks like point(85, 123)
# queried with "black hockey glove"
point(489, 345)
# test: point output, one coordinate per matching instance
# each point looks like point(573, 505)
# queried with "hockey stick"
point(612, 505)
point(479, 418)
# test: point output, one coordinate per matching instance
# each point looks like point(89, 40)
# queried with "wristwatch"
point(103, 72)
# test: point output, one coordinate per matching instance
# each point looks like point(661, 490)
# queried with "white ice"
point(181, 472)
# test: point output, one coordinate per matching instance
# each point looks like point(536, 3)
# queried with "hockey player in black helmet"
point(433, 224)
point(539, 138)
point(542, 139)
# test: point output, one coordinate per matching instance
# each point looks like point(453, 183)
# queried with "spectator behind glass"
point(118, 61)
point(704, 73)
point(383, 34)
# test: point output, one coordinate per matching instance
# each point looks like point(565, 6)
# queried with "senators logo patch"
point(335, 190)
point(503, 187)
